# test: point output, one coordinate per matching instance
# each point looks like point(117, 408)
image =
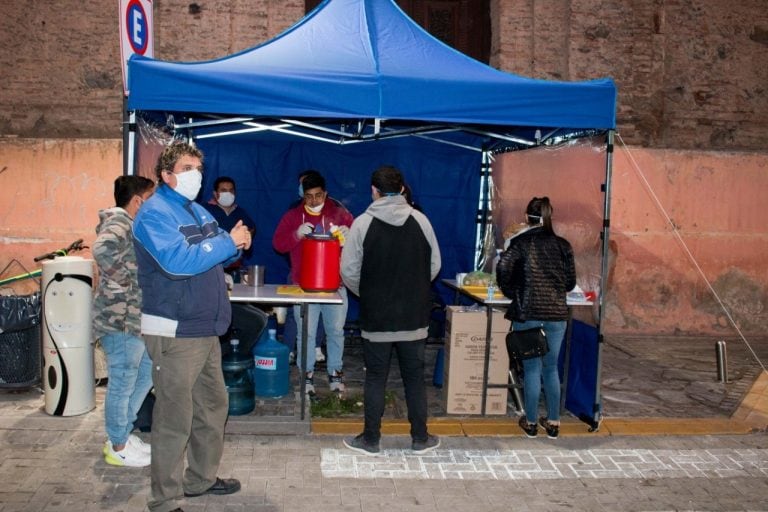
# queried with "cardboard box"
point(464, 357)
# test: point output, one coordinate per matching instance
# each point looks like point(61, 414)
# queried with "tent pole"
point(597, 411)
point(483, 212)
point(129, 140)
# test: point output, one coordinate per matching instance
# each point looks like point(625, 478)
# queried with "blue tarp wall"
point(267, 181)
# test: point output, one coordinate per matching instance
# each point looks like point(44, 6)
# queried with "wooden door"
point(463, 24)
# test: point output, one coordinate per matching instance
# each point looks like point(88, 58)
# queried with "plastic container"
point(271, 377)
point(320, 258)
point(237, 367)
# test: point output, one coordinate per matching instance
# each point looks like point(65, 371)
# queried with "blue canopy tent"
point(354, 85)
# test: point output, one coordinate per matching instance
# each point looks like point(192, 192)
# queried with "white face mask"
point(226, 199)
point(316, 209)
point(188, 183)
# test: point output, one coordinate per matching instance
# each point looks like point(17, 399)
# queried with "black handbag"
point(527, 343)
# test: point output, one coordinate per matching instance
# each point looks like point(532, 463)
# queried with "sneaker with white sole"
point(132, 439)
point(552, 430)
point(426, 446)
point(309, 383)
point(319, 356)
point(360, 445)
point(138, 443)
point(336, 381)
point(530, 429)
point(130, 456)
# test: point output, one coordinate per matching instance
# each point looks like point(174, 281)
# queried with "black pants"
point(410, 355)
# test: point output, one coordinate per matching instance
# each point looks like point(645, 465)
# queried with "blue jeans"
point(334, 318)
point(289, 332)
point(129, 370)
point(542, 371)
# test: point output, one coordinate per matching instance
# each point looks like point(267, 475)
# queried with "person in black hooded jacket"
point(535, 272)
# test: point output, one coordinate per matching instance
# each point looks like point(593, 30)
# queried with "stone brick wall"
point(61, 60)
point(690, 74)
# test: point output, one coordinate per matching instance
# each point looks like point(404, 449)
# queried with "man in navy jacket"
point(181, 254)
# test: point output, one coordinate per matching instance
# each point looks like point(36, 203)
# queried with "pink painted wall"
point(660, 280)
point(51, 191)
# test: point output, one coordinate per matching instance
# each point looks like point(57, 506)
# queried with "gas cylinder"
point(271, 376)
point(320, 257)
point(237, 367)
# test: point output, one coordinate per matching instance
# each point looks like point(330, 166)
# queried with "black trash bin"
point(20, 357)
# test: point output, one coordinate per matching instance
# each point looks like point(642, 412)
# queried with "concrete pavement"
point(672, 439)
point(55, 464)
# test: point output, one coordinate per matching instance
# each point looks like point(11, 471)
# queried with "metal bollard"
point(722, 361)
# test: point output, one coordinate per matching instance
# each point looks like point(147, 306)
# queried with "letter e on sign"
point(135, 32)
point(136, 21)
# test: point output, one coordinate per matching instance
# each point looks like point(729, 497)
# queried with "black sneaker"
point(552, 430)
point(221, 486)
point(336, 381)
point(426, 446)
point(309, 383)
point(530, 429)
point(360, 445)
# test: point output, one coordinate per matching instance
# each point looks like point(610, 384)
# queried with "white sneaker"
point(130, 456)
point(336, 382)
point(319, 356)
point(139, 444)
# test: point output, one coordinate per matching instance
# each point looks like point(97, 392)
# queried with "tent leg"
point(597, 410)
point(129, 141)
point(484, 212)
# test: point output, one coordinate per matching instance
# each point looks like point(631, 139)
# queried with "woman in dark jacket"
point(535, 273)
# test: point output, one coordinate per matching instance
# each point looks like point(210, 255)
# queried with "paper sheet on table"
point(294, 289)
point(289, 289)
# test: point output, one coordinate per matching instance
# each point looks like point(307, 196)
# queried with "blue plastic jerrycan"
point(237, 367)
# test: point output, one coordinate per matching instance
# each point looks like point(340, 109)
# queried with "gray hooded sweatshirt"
point(390, 259)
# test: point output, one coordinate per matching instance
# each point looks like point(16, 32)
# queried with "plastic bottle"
point(271, 376)
point(237, 367)
point(491, 290)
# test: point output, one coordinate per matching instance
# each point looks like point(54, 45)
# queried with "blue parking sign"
point(135, 32)
point(137, 26)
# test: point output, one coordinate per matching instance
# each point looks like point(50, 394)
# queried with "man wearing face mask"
point(227, 212)
point(117, 323)
point(181, 254)
point(316, 212)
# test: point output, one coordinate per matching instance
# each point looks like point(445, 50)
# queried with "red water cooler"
point(320, 258)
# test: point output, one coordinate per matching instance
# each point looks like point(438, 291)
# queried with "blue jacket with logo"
point(181, 254)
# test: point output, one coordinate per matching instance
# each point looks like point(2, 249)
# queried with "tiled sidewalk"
point(547, 463)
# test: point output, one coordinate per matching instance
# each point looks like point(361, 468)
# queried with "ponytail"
point(539, 213)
